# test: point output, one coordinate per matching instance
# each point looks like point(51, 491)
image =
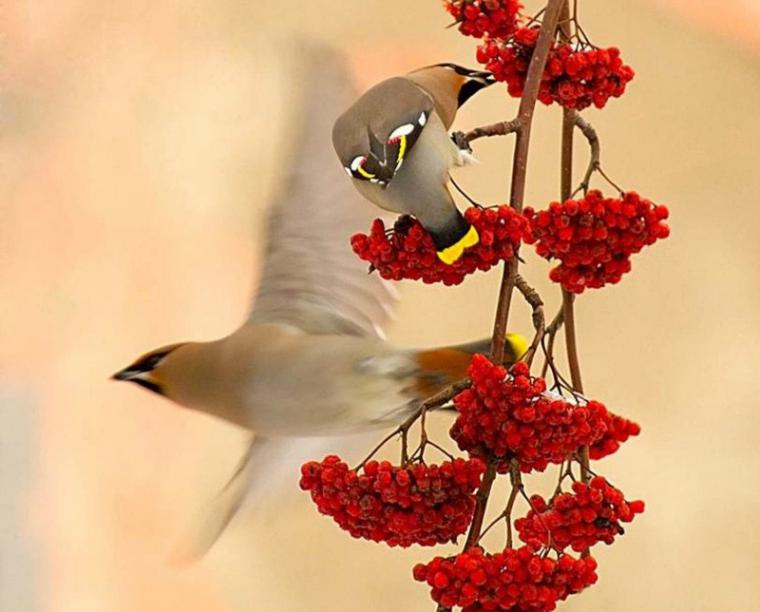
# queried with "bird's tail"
point(443, 366)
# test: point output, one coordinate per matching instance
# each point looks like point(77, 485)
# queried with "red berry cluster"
point(573, 78)
point(619, 429)
point(591, 513)
point(511, 417)
point(420, 504)
point(479, 17)
point(408, 252)
point(594, 237)
point(512, 580)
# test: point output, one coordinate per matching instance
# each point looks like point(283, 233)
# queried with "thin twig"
point(539, 321)
point(617, 187)
point(564, 472)
point(517, 487)
point(464, 194)
point(551, 334)
point(568, 299)
point(549, 540)
point(594, 164)
point(502, 128)
point(481, 502)
point(436, 401)
point(595, 160)
point(571, 344)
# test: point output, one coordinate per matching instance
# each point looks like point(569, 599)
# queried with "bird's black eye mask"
point(149, 362)
point(139, 371)
point(385, 159)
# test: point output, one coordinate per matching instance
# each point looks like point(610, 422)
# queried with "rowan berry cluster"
point(594, 237)
point(619, 429)
point(479, 17)
point(418, 504)
point(510, 581)
point(573, 78)
point(408, 252)
point(508, 415)
point(592, 513)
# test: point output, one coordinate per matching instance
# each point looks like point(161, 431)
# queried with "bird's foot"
point(460, 140)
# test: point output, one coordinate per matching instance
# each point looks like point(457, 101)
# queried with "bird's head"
point(374, 137)
point(450, 86)
point(151, 370)
point(195, 375)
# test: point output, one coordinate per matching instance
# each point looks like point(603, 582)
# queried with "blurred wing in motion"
point(268, 471)
point(212, 520)
point(311, 279)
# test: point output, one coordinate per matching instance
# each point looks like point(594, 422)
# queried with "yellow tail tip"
point(451, 254)
point(518, 344)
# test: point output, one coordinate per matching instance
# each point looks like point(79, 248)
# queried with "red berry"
point(567, 79)
point(592, 513)
point(479, 17)
point(419, 504)
point(508, 416)
point(510, 581)
point(408, 252)
point(594, 237)
point(618, 431)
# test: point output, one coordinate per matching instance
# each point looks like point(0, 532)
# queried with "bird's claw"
point(460, 140)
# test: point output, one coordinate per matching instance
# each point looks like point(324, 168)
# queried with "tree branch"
point(522, 126)
point(539, 320)
point(502, 128)
point(520, 163)
point(571, 119)
point(594, 163)
point(551, 333)
point(481, 503)
point(436, 401)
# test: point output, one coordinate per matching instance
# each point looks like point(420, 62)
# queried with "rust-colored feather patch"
point(439, 367)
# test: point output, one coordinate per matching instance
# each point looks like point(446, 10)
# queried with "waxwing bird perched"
point(311, 361)
point(394, 144)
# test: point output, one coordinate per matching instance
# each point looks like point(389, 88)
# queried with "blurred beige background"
point(136, 158)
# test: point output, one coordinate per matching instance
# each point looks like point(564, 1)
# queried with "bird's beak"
point(139, 377)
point(126, 374)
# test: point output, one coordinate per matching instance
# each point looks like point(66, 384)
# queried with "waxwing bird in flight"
point(394, 143)
point(311, 360)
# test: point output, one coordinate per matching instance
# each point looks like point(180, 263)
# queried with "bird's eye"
point(153, 361)
point(358, 170)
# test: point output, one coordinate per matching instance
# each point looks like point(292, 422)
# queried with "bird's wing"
point(265, 479)
point(208, 524)
point(311, 279)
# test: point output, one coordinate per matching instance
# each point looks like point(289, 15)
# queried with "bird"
point(311, 361)
point(394, 144)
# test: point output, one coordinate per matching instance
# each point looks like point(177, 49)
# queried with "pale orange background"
point(138, 146)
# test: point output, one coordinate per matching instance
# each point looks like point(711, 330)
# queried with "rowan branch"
point(436, 401)
point(520, 163)
point(551, 334)
point(523, 124)
point(517, 195)
point(539, 320)
point(594, 164)
point(571, 120)
point(502, 128)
